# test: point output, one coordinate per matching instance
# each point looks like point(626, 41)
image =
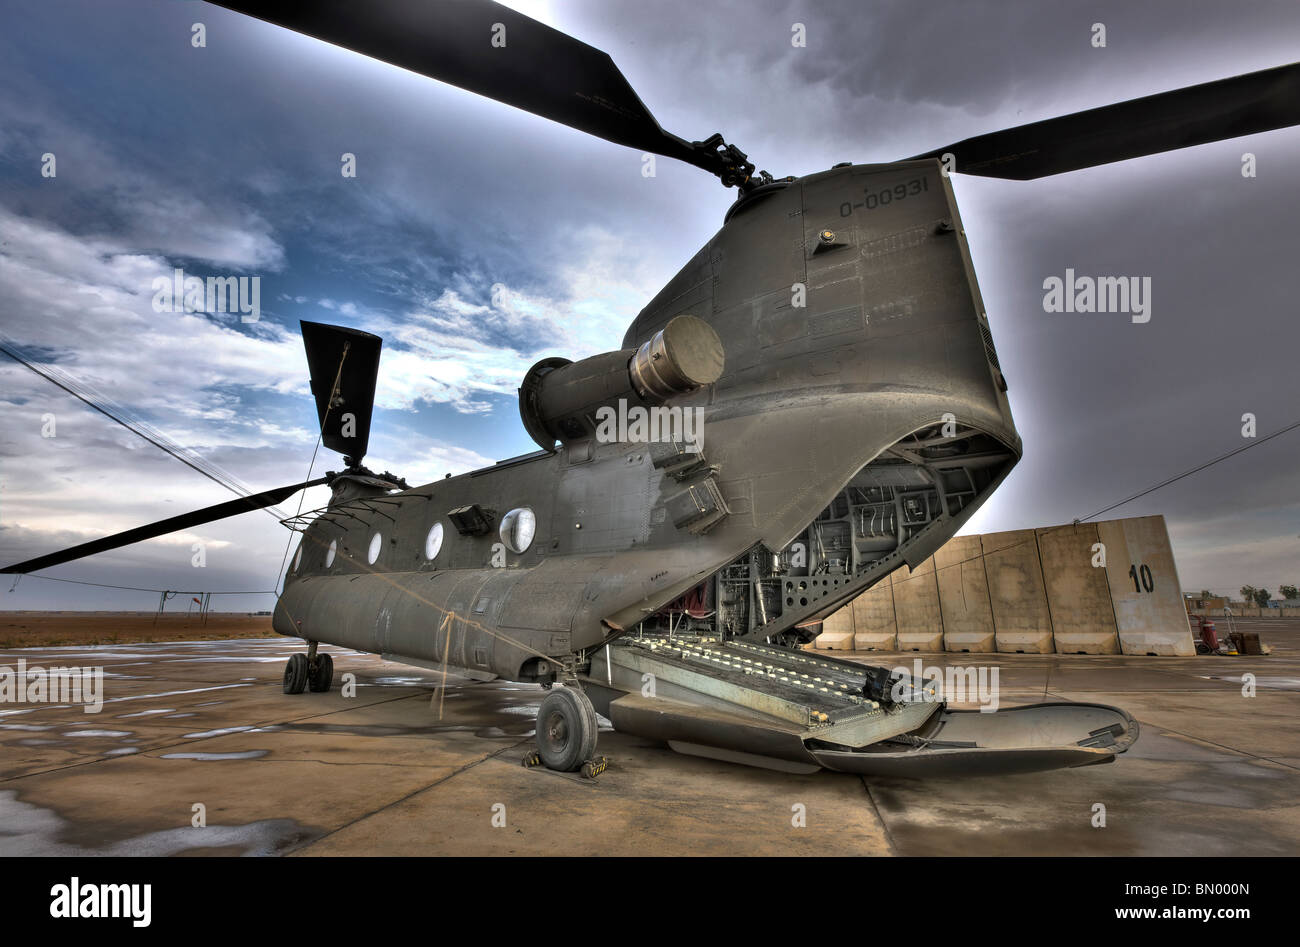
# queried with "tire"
point(566, 729)
point(595, 725)
point(295, 674)
point(321, 677)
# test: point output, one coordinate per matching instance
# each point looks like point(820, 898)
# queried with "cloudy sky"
point(225, 160)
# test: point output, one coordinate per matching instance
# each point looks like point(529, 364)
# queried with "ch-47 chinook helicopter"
point(668, 583)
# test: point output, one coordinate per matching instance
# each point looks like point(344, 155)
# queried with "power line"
point(1188, 473)
point(136, 588)
point(137, 426)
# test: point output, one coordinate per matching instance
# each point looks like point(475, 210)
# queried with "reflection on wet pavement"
point(408, 767)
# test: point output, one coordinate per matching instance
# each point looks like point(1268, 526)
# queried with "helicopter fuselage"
point(860, 419)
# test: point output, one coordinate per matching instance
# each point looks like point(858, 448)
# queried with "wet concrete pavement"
point(385, 772)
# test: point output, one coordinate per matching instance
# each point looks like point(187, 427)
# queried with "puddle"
point(32, 830)
point(242, 659)
point(244, 755)
point(395, 681)
point(1286, 683)
point(193, 690)
point(147, 713)
point(217, 733)
point(98, 733)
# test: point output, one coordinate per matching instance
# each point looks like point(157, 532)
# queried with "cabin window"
point(517, 529)
point(331, 553)
point(433, 542)
point(297, 559)
point(376, 544)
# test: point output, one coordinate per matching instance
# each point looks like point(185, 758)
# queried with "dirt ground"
point(55, 629)
point(394, 765)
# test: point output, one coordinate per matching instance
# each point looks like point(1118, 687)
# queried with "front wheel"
point(322, 674)
point(566, 729)
point(295, 674)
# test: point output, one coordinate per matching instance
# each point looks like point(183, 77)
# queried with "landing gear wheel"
point(321, 674)
point(295, 674)
point(566, 729)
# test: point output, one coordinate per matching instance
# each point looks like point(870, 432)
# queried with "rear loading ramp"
point(796, 711)
point(1024, 739)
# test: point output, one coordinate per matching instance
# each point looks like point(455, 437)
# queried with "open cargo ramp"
point(799, 711)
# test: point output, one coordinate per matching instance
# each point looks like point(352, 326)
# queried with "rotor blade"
point(344, 367)
point(1196, 115)
point(208, 514)
point(488, 49)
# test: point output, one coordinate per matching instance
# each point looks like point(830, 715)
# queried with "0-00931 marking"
point(885, 196)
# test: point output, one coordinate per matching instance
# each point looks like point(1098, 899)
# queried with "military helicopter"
point(667, 581)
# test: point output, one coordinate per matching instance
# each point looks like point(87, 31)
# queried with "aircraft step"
point(818, 697)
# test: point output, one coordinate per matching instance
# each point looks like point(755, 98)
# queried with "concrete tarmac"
point(401, 769)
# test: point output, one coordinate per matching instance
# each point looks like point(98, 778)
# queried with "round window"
point(433, 542)
point(517, 529)
point(376, 544)
point(331, 553)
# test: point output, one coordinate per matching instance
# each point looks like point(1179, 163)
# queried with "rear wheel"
point(321, 675)
point(566, 729)
point(295, 674)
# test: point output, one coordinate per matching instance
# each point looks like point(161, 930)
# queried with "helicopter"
point(664, 555)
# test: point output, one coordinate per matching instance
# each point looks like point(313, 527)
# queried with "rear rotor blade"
point(488, 49)
point(344, 368)
point(1196, 115)
point(209, 514)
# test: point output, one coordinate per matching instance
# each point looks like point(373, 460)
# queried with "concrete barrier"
point(874, 626)
point(1022, 622)
point(837, 631)
point(1034, 592)
point(1145, 593)
point(916, 608)
point(964, 595)
point(1078, 595)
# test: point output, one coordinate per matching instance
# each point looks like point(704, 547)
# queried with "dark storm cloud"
point(977, 56)
point(1106, 407)
point(231, 153)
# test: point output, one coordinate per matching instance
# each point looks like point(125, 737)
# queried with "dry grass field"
point(54, 629)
